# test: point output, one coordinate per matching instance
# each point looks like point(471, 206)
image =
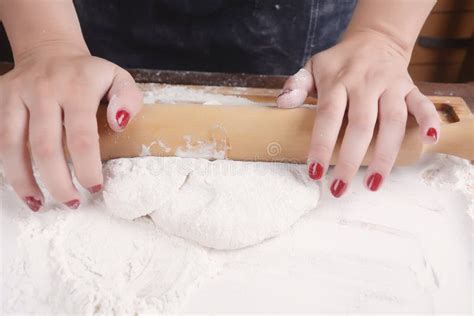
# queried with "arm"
point(365, 74)
point(32, 25)
point(50, 98)
point(398, 21)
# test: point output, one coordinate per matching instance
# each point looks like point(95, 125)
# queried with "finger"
point(297, 87)
point(425, 114)
point(362, 116)
point(125, 100)
point(15, 155)
point(83, 142)
point(48, 154)
point(392, 124)
point(331, 107)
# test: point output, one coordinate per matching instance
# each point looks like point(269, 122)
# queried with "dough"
point(220, 204)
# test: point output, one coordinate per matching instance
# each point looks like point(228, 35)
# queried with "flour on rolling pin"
point(154, 93)
point(193, 148)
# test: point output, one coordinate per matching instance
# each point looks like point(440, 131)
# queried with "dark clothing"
point(252, 36)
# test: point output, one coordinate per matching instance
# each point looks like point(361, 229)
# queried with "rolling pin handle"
point(456, 139)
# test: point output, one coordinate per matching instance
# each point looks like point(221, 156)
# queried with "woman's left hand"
point(365, 74)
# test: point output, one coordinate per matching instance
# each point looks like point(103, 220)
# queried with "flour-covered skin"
point(365, 75)
point(220, 204)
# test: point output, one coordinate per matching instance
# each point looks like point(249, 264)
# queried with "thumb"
point(125, 100)
point(297, 87)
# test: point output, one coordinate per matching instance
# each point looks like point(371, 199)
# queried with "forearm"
point(33, 24)
point(398, 20)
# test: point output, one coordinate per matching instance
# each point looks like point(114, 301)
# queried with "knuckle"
point(361, 122)
point(385, 160)
point(14, 84)
point(397, 117)
point(44, 149)
point(348, 166)
point(426, 118)
point(329, 112)
point(82, 141)
point(42, 87)
point(321, 150)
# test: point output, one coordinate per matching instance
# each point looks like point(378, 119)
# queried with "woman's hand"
point(49, 99)
point(365, 74)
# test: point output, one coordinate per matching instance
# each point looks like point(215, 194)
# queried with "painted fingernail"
point(284, 91)
point(432, 133)
point(33, 203)
point(95, 188)
point(374, 181)
point(122, 118)
point(73, 204)
point(315, 170)
point(338, 187)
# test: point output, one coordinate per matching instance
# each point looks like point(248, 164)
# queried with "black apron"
point(251, 36)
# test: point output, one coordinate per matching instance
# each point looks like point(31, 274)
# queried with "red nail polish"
point(315, 171)
point(95, 188)
point(33, 203)
point(374, 181)
point(284, 91)
point(432, 133)
point(73, 204)
point(338, 187)
point(122, 118)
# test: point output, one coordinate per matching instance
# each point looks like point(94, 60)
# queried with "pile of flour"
point(454, 174)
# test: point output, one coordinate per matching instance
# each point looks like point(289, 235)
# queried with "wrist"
point(51, 49)
point(370, 40)
point(402, 45)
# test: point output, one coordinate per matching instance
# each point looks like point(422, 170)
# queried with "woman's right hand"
point(55, 88)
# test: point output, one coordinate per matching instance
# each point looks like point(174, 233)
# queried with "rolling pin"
point(263, 133)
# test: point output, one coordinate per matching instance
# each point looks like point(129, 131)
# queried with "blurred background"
point(445, 48)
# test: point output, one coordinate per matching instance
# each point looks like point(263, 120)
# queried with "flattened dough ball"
point(221, 204)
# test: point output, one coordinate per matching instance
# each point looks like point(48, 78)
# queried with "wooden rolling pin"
point(259, 132)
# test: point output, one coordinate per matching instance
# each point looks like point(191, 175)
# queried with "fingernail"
point(338, 187)
point(284, 91)
point(315, 170)
point(432, 133)
point(95, 188)
point(33, 203)
point(122, 118)
point(374, 181)
point(73, 204)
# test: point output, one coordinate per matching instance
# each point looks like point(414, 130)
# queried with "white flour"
point(172, 94)
point(220, 204)
point(359, 254)
point(451, 173)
